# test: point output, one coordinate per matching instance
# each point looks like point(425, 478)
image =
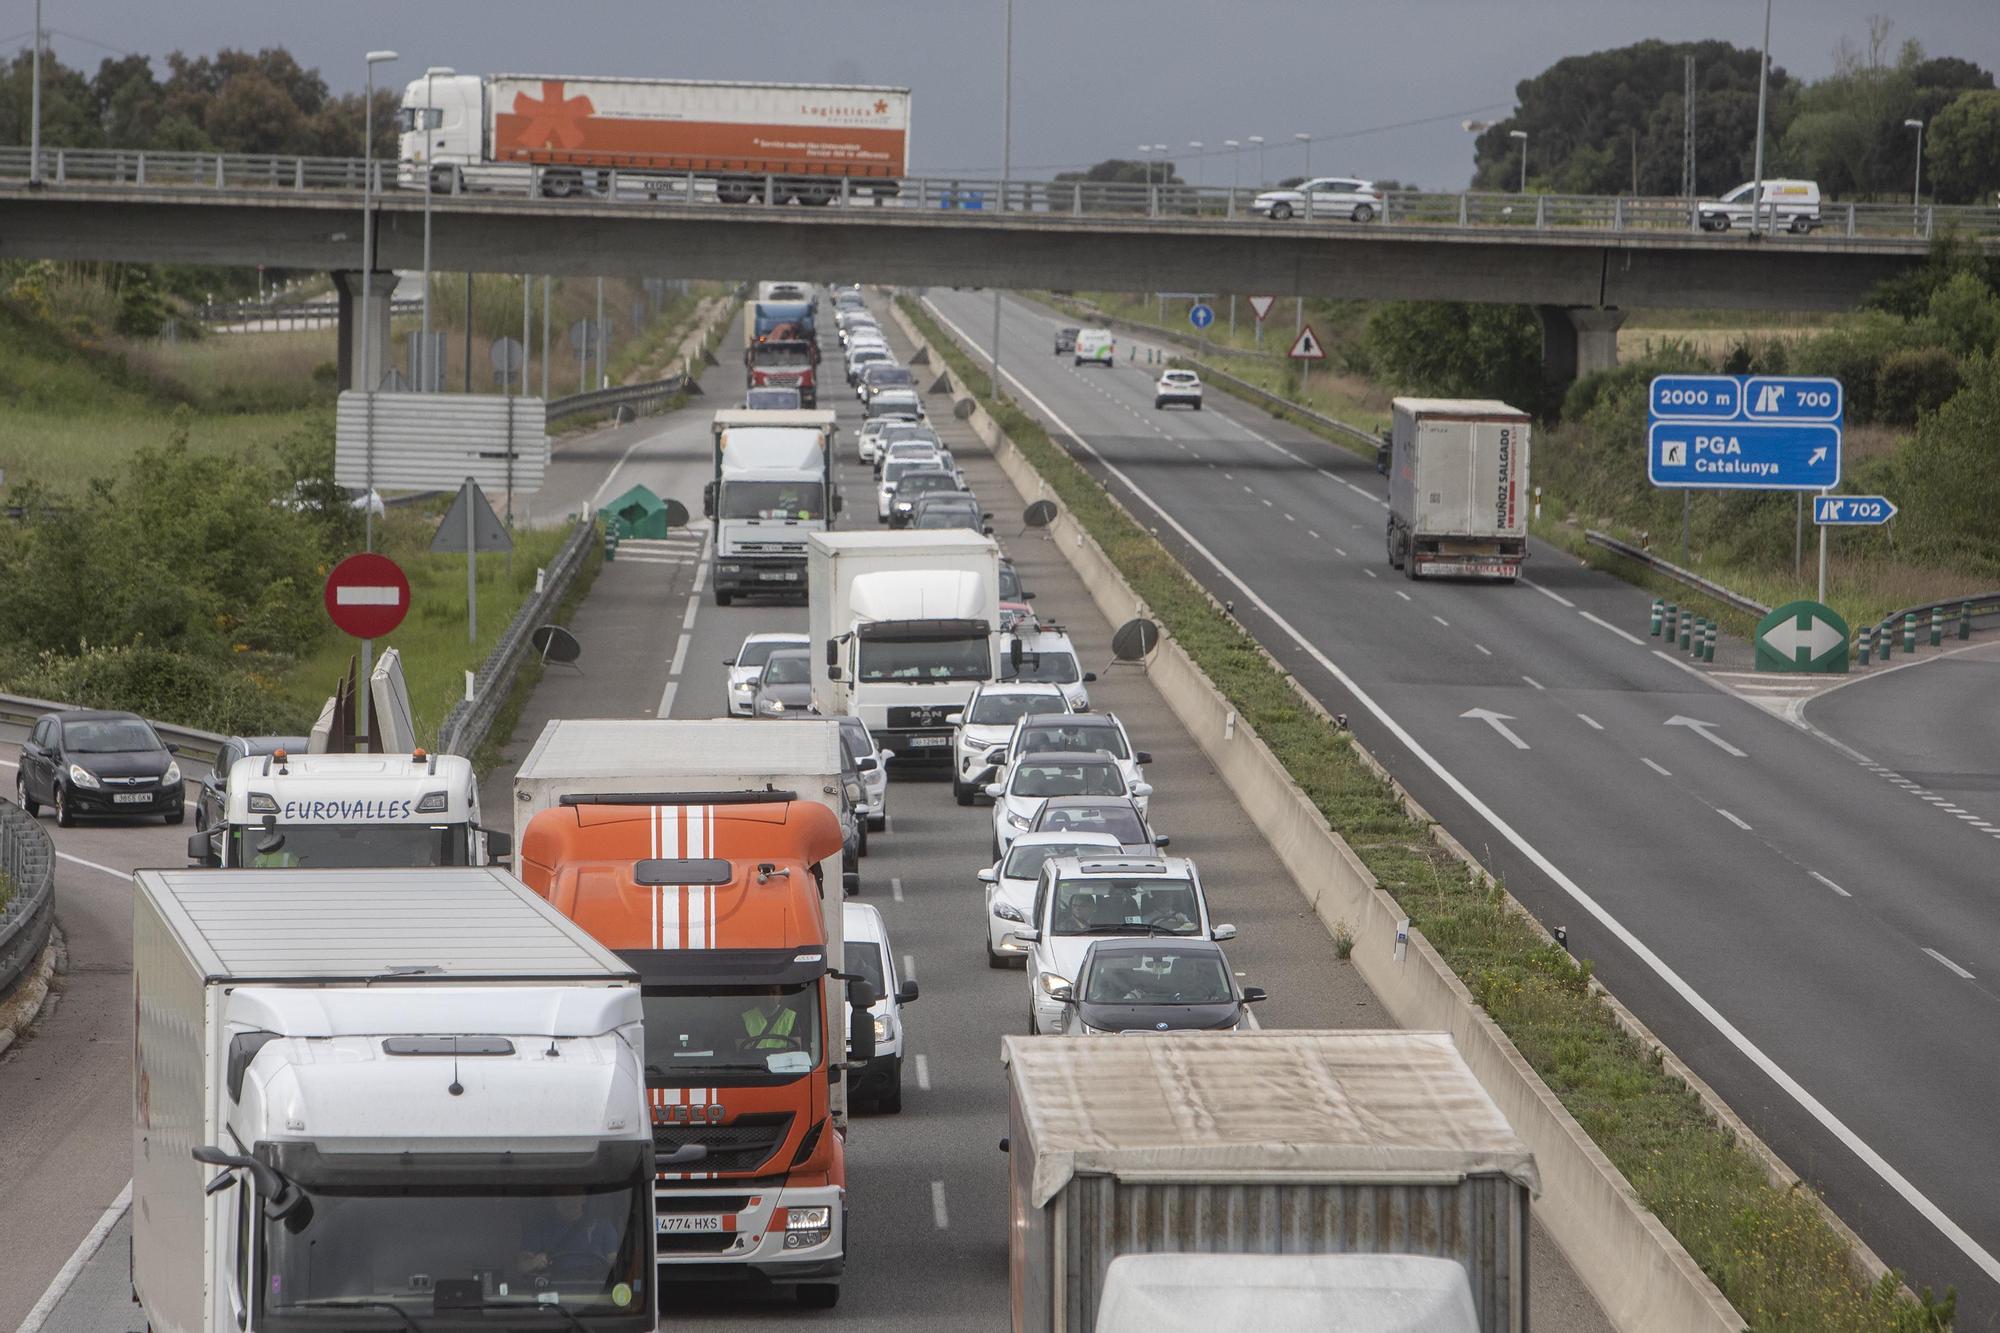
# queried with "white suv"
point(1332, 197)
point(1010, 885)
point(1178, 386)
point(1047, 657)
point(1035, 777)
point(987, 720)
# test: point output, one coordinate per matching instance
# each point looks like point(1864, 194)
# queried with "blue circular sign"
point(1201, 316)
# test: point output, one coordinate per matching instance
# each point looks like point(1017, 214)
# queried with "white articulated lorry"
point(333, 810)
point(1458, 488)
point(773, 485)
point(903, 625)
point(414, 1096)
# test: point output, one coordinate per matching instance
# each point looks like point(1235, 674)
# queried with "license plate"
point(781, 576)
point(688, 1222)
point(930, 740)
point(132, 797)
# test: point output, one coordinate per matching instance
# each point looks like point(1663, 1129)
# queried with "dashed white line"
point(694, 609)
point(1484, 649)
point(896, 887)
point(1314, 535)
point(1339, 551)
point(680, 655)
point(1732, 819)
point(1442, 621)
point(667, 699)
point(1591, 722)
point(1650, 764)
point(1829, 883)
point(1962, 973)
point(938, 1213)
point(1405, 596)
point(1536, 683)
point(1288, 517)
point(923, 1073)
point(1369, 572)
point(1246, 489)
point(1601, 623)
point(1552, 596)
point(1267, 503)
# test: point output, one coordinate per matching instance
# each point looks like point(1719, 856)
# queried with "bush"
point(1965, 314)
point(1455, 350)
point(1951, 476)
point(142, 311)
point(164, 684)
point(1914, 381)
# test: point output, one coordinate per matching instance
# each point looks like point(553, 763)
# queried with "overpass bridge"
point(1581, 261)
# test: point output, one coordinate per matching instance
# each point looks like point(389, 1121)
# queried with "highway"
point(1818, 945)
point(929, 1185)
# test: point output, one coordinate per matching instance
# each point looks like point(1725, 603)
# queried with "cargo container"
point(1458, 488)
point(1261, 1143)
point(566, 135)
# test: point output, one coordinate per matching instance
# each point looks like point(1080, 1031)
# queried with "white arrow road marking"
point(1497, 721)
point(1705, 730)
point(354, 594)
point(1818, 639)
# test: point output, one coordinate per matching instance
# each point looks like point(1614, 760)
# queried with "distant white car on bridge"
point(1332, 197)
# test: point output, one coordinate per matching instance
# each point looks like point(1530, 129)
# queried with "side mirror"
point(986, 529)
point(839, 503)
point(1254, 995)
point(995, 790)
point(860, 1023)
point(1142, 756)
point(1027, 597)
point(1028, 935)
point(907, 994)
point(499, 846)
point(833, 652)
point(173, 749)
point(990, 875)
point(886, 755)
point(708, 500)
point(729, 661)
point(1142, 789)
point(1162, 841)
point(1222, 932)
point(868, 765)
point(850, 882)
point(997, 755)
point(199, 846)
point(1063, 994)
point(833, 673)
point(1089, 676)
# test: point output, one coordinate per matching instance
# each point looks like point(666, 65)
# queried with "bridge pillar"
point(381, 286)
point(1578, 340)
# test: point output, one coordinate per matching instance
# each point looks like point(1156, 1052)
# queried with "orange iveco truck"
point(717, 899)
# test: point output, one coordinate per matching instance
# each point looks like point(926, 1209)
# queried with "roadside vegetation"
point(1770, 1251)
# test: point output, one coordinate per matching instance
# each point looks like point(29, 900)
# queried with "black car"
point(914, 485)
point(211, 801)
point(86, 762)
point(952, 509)
point(1154, 985)
point(1065, 340)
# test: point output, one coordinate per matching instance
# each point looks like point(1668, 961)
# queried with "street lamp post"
point(424, 366)
point(1917, 187)
point(1307, 140)
point(1006, 163)
point(1763, 81)
point(1522, 135)
point(35, 108)
point(1258, 139)
point(1235, 164)
point(364, 370)
point(1194, 147)
point(1146, 163)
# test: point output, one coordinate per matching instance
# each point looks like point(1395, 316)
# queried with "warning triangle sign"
point(1306, 346)
point(1260, 306)
point(488, 533)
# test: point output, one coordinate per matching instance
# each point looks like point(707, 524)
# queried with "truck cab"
point(773, 484)
point(718, 901)
point(441, 132)
point(349, 810)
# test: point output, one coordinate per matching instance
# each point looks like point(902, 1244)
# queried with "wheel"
point(890, 1102)
point(1197, 404)
point(1159, 403)
point(1280, 211)
point(64, 818)
point(1721, 223)
point(21, 797)
point(961, 792)
point(878, 823)
point(819, 1295)
point(1364, 213)
point(863, 849)
point(723, 598)
point(994, 960)
point(1801, 225)
point(178, 816)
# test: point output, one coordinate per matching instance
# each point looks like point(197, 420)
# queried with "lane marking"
point(680, 655)
point(81, 1255)
point(667, 699)
point(687, 619)
point(938, 1214)
point(1732, 819)
point(1829, 883)
point(1602, 623)
point(1536, 683)
point(923, 1073)
point(619, 466)
point(1442, 621)
point(1552, 596)
point(1405, 596)
point(1484, 649)
point(909, 967)
point(1314, 535)
point(1963, 974)
point(1288, 517)
point(896, 887)
point(115, 874)
point(1337, 550)
point(1833, 1124)
point(1369, 572)
point(1591, 722)
point(1655, 767)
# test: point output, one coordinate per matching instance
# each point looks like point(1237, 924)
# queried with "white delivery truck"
point(903, 625)
point(773, 485)
point(1458, 488)
point(329, 810)
point(412, 1093)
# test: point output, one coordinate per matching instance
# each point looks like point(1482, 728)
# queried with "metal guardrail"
point(28, 860)
point(20, 712)
point(251, 312)
point(1984, 606)
point(651, 395)
point(464, 728)
point(1279, 403)
point(1414, 210)
point(1674, 571)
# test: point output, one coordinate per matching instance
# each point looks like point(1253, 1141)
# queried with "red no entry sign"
point(367, 595)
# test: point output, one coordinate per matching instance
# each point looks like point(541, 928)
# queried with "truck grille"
point(696, 1242)
point(906, 716)
point(743, 1145)
point(701, 1203)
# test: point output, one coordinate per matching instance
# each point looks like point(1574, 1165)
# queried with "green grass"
point(1769, 1251)
point(6, 889)
point(432, 639)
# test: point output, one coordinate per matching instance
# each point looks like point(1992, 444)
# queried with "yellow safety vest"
point(759, 1027)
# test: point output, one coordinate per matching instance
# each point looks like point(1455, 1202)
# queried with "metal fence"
point(1980, 607)
point(1674, 571)
point(28, 859)
point(465, 727)
point(298, 312)
point(1053, 201)
point(650, 397)
point(1278, 402)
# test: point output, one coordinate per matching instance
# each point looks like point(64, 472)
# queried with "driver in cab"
point(565, 1242)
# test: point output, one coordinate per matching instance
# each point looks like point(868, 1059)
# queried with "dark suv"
point(86, 762)
point(1065, 340)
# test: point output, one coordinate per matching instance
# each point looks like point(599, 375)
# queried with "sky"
point(1381, 86)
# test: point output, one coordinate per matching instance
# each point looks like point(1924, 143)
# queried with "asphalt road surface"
point(1818, 945)
point(929, 1185)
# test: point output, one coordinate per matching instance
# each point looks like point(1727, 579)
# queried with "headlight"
point(1009, 912)
point(1018, 821)
point(774, 705)
point(805, 1219)
point(742, 687)
point(1048, 981)
point(173, 772)
point(83, 777)
point(885, 1028)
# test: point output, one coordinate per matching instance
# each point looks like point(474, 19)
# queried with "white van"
point(1096, 345)
point(1793, 205)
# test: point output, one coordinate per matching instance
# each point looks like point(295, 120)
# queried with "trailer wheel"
point(1395, 555)
point(562, 183)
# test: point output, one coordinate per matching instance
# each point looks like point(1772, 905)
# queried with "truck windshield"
point(498, 1240)
point(348, 845)
point(804, 500)
point(781, 354)
point(926, 659)
point(753, 1030)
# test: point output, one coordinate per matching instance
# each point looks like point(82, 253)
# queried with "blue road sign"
point(1744, 455)
point(1852, 511)
point(1201, 315)
point(1791, 398)
point(1696, 398)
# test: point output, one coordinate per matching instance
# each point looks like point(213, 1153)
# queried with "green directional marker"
point(1802, 637)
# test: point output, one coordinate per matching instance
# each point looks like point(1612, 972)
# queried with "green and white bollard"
point(1965, 620)
point(1888, 638)
point(611, 541)
point(1864, 644)
point(1708, 653)
point(1937, 627)
point(1659, 611)
point(1673, 614)
point(1910, 632)
point(1687, 632)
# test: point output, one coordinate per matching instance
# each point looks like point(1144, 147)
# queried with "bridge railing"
point(90, 168)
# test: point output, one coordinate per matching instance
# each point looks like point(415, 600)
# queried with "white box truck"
point(773, 485)
point(414, 1093)
point(1458, 488)
point(1272, 1143)
point(903, 625)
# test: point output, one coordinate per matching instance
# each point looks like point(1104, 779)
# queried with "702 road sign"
point(1852, 511)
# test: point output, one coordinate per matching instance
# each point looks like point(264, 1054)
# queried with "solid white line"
point(1948, 963)
point(1829, 883)
point(1732, 819)
point(1632, 639)
point(78, 1257)
point(923, 1073)
point(1951, 1230)
point(116, 874)
point(896, 892)
point(1536, 683)
point(1591, 722)
point(680, 655)
point(938, 1214)
point(1655, 767)
point(1552, 596)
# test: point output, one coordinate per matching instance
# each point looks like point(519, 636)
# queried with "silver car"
point(784, 687)
point(748, 664)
